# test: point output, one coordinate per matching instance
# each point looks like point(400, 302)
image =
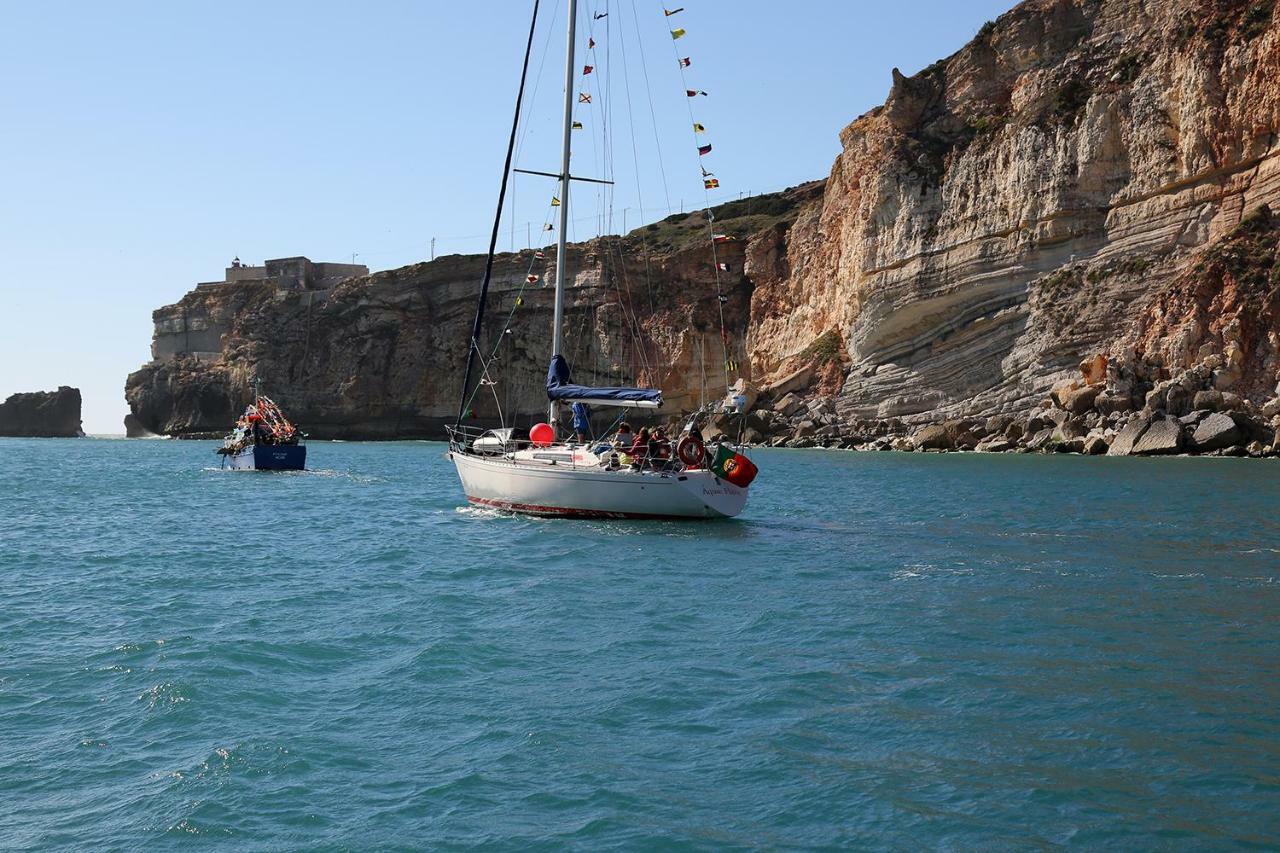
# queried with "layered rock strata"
point(1195, 373)
point(1018, 205)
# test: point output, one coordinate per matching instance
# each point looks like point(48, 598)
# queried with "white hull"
point(562, 490)
point(242, 461)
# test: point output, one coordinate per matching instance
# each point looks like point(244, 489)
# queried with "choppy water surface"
point(886, 651)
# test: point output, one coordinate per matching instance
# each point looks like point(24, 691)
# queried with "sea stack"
point(42, 414)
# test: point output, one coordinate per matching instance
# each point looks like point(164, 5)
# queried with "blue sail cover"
point(559, 388)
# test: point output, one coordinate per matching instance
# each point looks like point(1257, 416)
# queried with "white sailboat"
point(560, 480)
point(557, 478)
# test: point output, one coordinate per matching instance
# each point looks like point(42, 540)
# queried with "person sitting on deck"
point(659, 449)
point(613, 451)
point(640, 448)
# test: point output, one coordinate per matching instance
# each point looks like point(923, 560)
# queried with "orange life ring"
point(691, 451)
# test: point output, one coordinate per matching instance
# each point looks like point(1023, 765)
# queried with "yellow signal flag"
point(555, 202)
point(678, 33)
point(697, 128)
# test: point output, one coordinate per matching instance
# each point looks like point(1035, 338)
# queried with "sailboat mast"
point(569, 77)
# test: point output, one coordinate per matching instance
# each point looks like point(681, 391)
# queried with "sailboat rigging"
point(577, 478)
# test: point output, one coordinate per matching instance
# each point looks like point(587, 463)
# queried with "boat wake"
point(317, 472)
point(470, 511)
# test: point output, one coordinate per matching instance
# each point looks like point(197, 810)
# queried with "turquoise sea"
point(887, 651)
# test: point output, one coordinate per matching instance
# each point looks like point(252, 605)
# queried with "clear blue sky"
point(145, 144)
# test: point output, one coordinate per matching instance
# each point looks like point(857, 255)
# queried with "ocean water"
point(886, 651)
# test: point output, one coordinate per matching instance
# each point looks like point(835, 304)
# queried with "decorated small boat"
point(548, 471)
point(263, 440)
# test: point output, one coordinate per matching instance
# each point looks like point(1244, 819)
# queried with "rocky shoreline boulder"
point(1162, 437)
point(42, 414)
point(1216, 432)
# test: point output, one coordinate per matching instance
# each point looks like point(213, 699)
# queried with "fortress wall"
point(327, 275)
point(245, 273)
point(180, 332)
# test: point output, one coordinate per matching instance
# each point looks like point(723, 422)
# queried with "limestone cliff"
point(1023, 203)
point(42, 414)
point(1072, 182)
point(381, 356)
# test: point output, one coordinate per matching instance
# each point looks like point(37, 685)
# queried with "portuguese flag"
point(733, 466)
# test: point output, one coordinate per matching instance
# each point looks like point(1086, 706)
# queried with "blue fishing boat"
point(265, 457)
point(263, 440)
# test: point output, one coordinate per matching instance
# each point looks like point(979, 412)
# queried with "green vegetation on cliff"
point(739, 219)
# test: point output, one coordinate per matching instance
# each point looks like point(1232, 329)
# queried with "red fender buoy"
point(691, 451)
point(542, 435)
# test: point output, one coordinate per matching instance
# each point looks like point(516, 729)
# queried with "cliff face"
point(382, 356)
point(1074, 181)
point(1023, 203)
point(42, 414)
